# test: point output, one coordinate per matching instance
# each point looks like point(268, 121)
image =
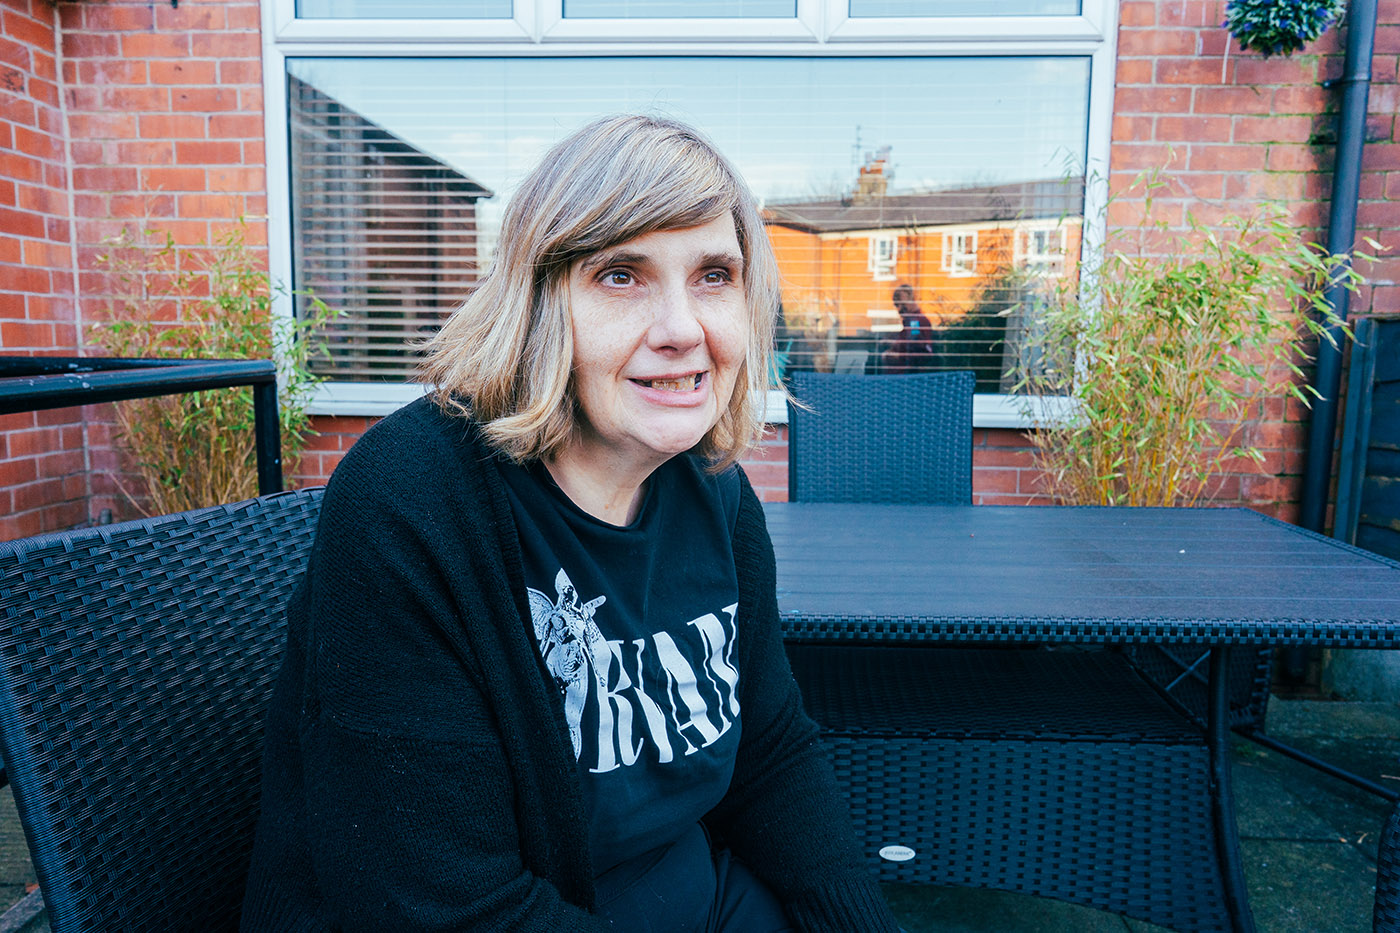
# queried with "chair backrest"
point(881, 438)
point(136, 661)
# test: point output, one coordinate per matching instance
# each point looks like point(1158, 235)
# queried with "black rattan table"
point(895, 577)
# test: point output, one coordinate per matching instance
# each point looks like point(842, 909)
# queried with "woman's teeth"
point(683, 384)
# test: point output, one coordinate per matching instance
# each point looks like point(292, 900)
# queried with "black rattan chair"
point(881, 438)
point(137, 661)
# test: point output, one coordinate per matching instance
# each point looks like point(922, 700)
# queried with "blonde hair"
point(505, 355)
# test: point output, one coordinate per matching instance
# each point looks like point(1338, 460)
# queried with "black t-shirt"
point(636, 624)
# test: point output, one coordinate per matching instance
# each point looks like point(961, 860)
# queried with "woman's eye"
point(716, 277)
point(617, 277)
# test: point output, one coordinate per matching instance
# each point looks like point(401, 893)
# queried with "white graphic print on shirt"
point(575, 652)
point(568, 639)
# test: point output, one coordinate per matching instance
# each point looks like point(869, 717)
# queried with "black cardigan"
point(418, 771)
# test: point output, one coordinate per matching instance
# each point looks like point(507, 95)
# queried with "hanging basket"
point(1280, 27)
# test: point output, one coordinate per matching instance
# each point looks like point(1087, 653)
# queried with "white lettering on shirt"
point(592, 672)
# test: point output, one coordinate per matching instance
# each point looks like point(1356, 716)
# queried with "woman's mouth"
point(681, 384)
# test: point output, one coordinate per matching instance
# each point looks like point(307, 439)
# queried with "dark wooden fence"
point(1368, 474)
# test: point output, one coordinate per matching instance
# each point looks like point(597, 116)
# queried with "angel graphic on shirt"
point(568, 640)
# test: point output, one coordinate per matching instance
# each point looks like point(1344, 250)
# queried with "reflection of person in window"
point(535, 678)
point(912, 350)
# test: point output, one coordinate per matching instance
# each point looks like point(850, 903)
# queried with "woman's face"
point(661, 327)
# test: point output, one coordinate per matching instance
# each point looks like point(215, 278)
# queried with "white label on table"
point(896, 853)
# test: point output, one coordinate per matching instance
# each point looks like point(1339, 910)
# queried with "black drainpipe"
point(1341, 237)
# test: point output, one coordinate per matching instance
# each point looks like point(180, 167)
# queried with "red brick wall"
point(334, 436)
point(165, 117)
point(43, 476)
point(164, 125)
point(1235, 130)
point(142, 114)
point(1002, 473)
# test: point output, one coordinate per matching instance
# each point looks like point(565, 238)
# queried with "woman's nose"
point(676, 324)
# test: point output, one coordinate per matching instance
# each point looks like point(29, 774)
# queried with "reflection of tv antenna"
point(855, 149)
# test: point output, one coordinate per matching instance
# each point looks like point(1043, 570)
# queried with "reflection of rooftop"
point(382, 231)
point(317, 113)
point(1049, 198)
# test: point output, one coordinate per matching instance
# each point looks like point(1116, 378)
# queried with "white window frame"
point(821, 27)
point(960, 253)
point(1049, 263)
point(884, 254)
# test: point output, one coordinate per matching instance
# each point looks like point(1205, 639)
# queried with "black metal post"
point(1341, 238)
point(267, 437)
point(1222, 797)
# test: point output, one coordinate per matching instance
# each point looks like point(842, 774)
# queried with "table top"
point(1009, 574)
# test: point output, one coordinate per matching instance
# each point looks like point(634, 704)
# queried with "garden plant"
point(1169, 348)
point(213, 302)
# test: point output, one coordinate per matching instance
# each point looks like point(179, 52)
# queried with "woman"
point(534, 678)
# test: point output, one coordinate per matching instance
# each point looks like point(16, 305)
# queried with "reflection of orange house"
point(383, 231)
point(843, 258)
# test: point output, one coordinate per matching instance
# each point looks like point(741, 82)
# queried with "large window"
point(939, 155)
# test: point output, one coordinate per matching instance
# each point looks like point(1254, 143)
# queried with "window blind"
point(382, 232)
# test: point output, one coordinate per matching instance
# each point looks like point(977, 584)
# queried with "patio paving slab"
point(922, 909)
point(1309, 887)
point(16, 872)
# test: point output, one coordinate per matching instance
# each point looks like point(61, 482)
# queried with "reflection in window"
point(404, 9)
point(381, 230)
point(965, 7)
point(671, 9)
point(884, 250)
point(960, 253)
point(868, 183)
point(1040, 250)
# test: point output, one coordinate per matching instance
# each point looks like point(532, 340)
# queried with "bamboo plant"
point(216, 302)
point(1168, 350)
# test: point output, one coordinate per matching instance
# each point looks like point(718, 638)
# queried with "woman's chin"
point(669, 439)
point(665, 449)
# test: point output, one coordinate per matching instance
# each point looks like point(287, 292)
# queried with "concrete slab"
point(1300, 718)
point(20, 902)
point(1362, 674)
point(925, 909)
point(26, 916)
point(1307, 887)
point(1271, 804)
point(16, 872)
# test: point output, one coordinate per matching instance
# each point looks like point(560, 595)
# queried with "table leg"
point(1222, 796)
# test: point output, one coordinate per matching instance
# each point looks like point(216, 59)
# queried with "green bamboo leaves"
point(214, 302)
point(1170, 350)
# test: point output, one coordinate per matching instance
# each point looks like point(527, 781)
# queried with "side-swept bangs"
point(504, 357)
